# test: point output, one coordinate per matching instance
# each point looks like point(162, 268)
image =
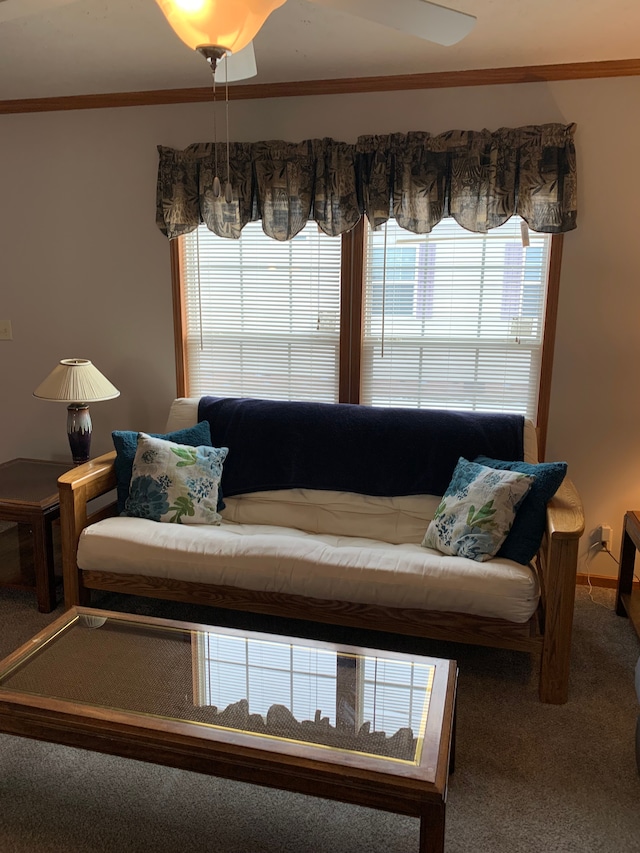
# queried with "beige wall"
point(84, 271)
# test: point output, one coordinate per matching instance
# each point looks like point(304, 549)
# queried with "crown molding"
point(339, 86)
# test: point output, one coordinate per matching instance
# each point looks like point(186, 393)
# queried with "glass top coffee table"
point(362, 726)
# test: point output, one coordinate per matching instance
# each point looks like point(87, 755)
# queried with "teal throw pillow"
point(523, 541)
point(126, 443)
point(476, 511)
point(175, 482)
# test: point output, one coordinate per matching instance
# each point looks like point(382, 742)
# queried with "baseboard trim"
point(607, 581)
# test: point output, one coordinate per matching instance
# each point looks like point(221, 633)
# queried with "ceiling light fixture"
point(216, 29)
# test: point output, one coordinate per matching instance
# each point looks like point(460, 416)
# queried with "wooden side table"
point(628, 600)
point(29, 496)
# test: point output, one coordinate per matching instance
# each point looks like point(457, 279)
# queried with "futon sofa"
point(321, 514)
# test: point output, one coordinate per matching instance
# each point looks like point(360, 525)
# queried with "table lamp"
point(77, 382)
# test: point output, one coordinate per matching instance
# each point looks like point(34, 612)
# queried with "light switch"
point(5, 330)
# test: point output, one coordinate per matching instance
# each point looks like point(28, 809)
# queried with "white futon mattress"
point(317, 565)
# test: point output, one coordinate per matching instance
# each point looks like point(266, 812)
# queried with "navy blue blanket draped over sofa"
point(345, 447)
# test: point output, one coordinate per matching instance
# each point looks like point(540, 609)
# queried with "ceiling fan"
point(192, 22)
point(421, 18)
point(226, 28)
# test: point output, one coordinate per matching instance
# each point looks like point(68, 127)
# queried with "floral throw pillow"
point(175, 482)
point(476, 511)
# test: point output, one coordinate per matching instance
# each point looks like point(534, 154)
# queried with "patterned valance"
point(480, 178)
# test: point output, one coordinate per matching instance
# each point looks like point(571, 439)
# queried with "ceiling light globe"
point(229, 24)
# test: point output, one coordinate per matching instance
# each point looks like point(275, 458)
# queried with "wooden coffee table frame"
point(414, 790)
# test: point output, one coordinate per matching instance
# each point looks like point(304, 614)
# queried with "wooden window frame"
point(352, 277)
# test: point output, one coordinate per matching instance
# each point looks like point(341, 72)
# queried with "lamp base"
point(79, 432)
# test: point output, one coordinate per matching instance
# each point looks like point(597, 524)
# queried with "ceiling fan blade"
point(240, 65)
point(419, 18)
point(10, 9)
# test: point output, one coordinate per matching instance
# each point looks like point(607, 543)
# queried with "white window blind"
point(391, 695)
point(262, 317)
point(451, 319)
point(265, 674)
point(454, 319)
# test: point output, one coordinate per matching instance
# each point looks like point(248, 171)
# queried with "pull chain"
point(216, 179)
point(384, 291)
point(228, 192)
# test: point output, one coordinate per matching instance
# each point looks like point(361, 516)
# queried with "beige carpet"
point(529, 777)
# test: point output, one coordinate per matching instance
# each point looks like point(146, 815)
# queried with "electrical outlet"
point(5, 330)
point(606, 535)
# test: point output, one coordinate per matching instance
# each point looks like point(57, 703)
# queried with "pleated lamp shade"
point(76, 380)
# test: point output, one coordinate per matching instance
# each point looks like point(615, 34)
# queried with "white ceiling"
point(103, 46)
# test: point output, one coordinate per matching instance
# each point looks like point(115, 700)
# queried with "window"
point(312, 683)
point(392, 279)
point(462, 326)
point(262, 318)
point(233, 668)
point(450, 319)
